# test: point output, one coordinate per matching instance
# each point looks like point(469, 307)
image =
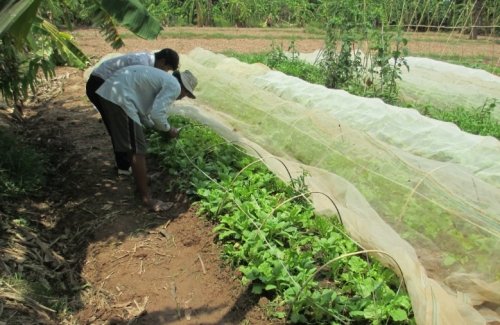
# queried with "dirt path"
point(117, 262)
point(141, 266)
point(136, 266)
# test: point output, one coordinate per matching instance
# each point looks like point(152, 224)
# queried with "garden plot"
point(441, 201)
point(447, 85)
point(405, 129)
point(441, 84)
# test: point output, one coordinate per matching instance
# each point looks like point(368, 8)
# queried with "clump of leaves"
point(292, 65)
point(280, 244)
point(387, 60)
point(343, 69)
point(19, 69)
point(371, 74)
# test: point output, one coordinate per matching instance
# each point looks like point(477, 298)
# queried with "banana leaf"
point(64, 44)
point(16, 17)
point(134, 16)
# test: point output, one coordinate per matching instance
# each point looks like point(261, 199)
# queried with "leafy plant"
point(343, 69)
point(300, 260)
point(386, 64)
point(373, 73)
point(31, 43)
point(290, 64)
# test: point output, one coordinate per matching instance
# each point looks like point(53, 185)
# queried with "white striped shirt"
point(110, 66)
point(144, 93)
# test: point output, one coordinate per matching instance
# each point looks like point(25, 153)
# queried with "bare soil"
point(91, 41)
point(251, 40)
point(137, 266)
point(145, 267)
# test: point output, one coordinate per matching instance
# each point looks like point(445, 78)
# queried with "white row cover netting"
point(419, 189)
point(441, 84)
point(447, 85)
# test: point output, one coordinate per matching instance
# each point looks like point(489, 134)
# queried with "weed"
point(278, 60)
point(477, 121)
point(21, 167)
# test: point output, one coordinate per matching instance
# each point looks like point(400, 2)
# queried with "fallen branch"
point(202, 264)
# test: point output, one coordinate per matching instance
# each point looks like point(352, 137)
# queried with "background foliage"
point(436, 14)
point(31, 40)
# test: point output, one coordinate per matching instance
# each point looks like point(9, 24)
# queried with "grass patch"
point(229, 36)
point(275, 59)
point(478, 121)
point(22, 169)
point(315, 29)
point(271, 35)
point(443, 38)
point(247, 57)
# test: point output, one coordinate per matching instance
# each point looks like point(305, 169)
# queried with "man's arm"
point(161, 105)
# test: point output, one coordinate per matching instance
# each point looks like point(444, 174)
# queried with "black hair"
point(169, 57)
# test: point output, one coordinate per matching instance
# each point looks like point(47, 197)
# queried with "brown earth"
point(137, 266)
point(144, 267)
point(94, 44)
point(249, 40)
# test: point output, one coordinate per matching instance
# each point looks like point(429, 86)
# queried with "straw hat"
point(189, 82)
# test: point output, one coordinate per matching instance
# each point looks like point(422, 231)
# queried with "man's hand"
point(173, 133)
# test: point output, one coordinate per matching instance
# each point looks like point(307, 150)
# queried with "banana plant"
point(29, 42)
point(16, 17)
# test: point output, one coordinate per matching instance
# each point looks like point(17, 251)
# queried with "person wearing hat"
point(165, 59)
point(141, 96)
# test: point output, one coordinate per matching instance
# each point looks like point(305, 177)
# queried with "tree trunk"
point(476, 19)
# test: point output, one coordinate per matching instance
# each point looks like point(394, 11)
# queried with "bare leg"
point(140, 172)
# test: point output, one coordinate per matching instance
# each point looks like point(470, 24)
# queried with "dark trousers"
point(94, 82)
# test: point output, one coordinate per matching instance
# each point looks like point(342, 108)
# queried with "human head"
point(188, 83)
point(167, 59)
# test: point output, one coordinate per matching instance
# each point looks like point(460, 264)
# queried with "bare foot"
point(159, 206)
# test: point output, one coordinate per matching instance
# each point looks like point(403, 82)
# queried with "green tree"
point(30, 42)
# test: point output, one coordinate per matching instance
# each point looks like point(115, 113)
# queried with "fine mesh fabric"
point(440, 84)
point(421, 190)
point(418, 189)
point(447, 85)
